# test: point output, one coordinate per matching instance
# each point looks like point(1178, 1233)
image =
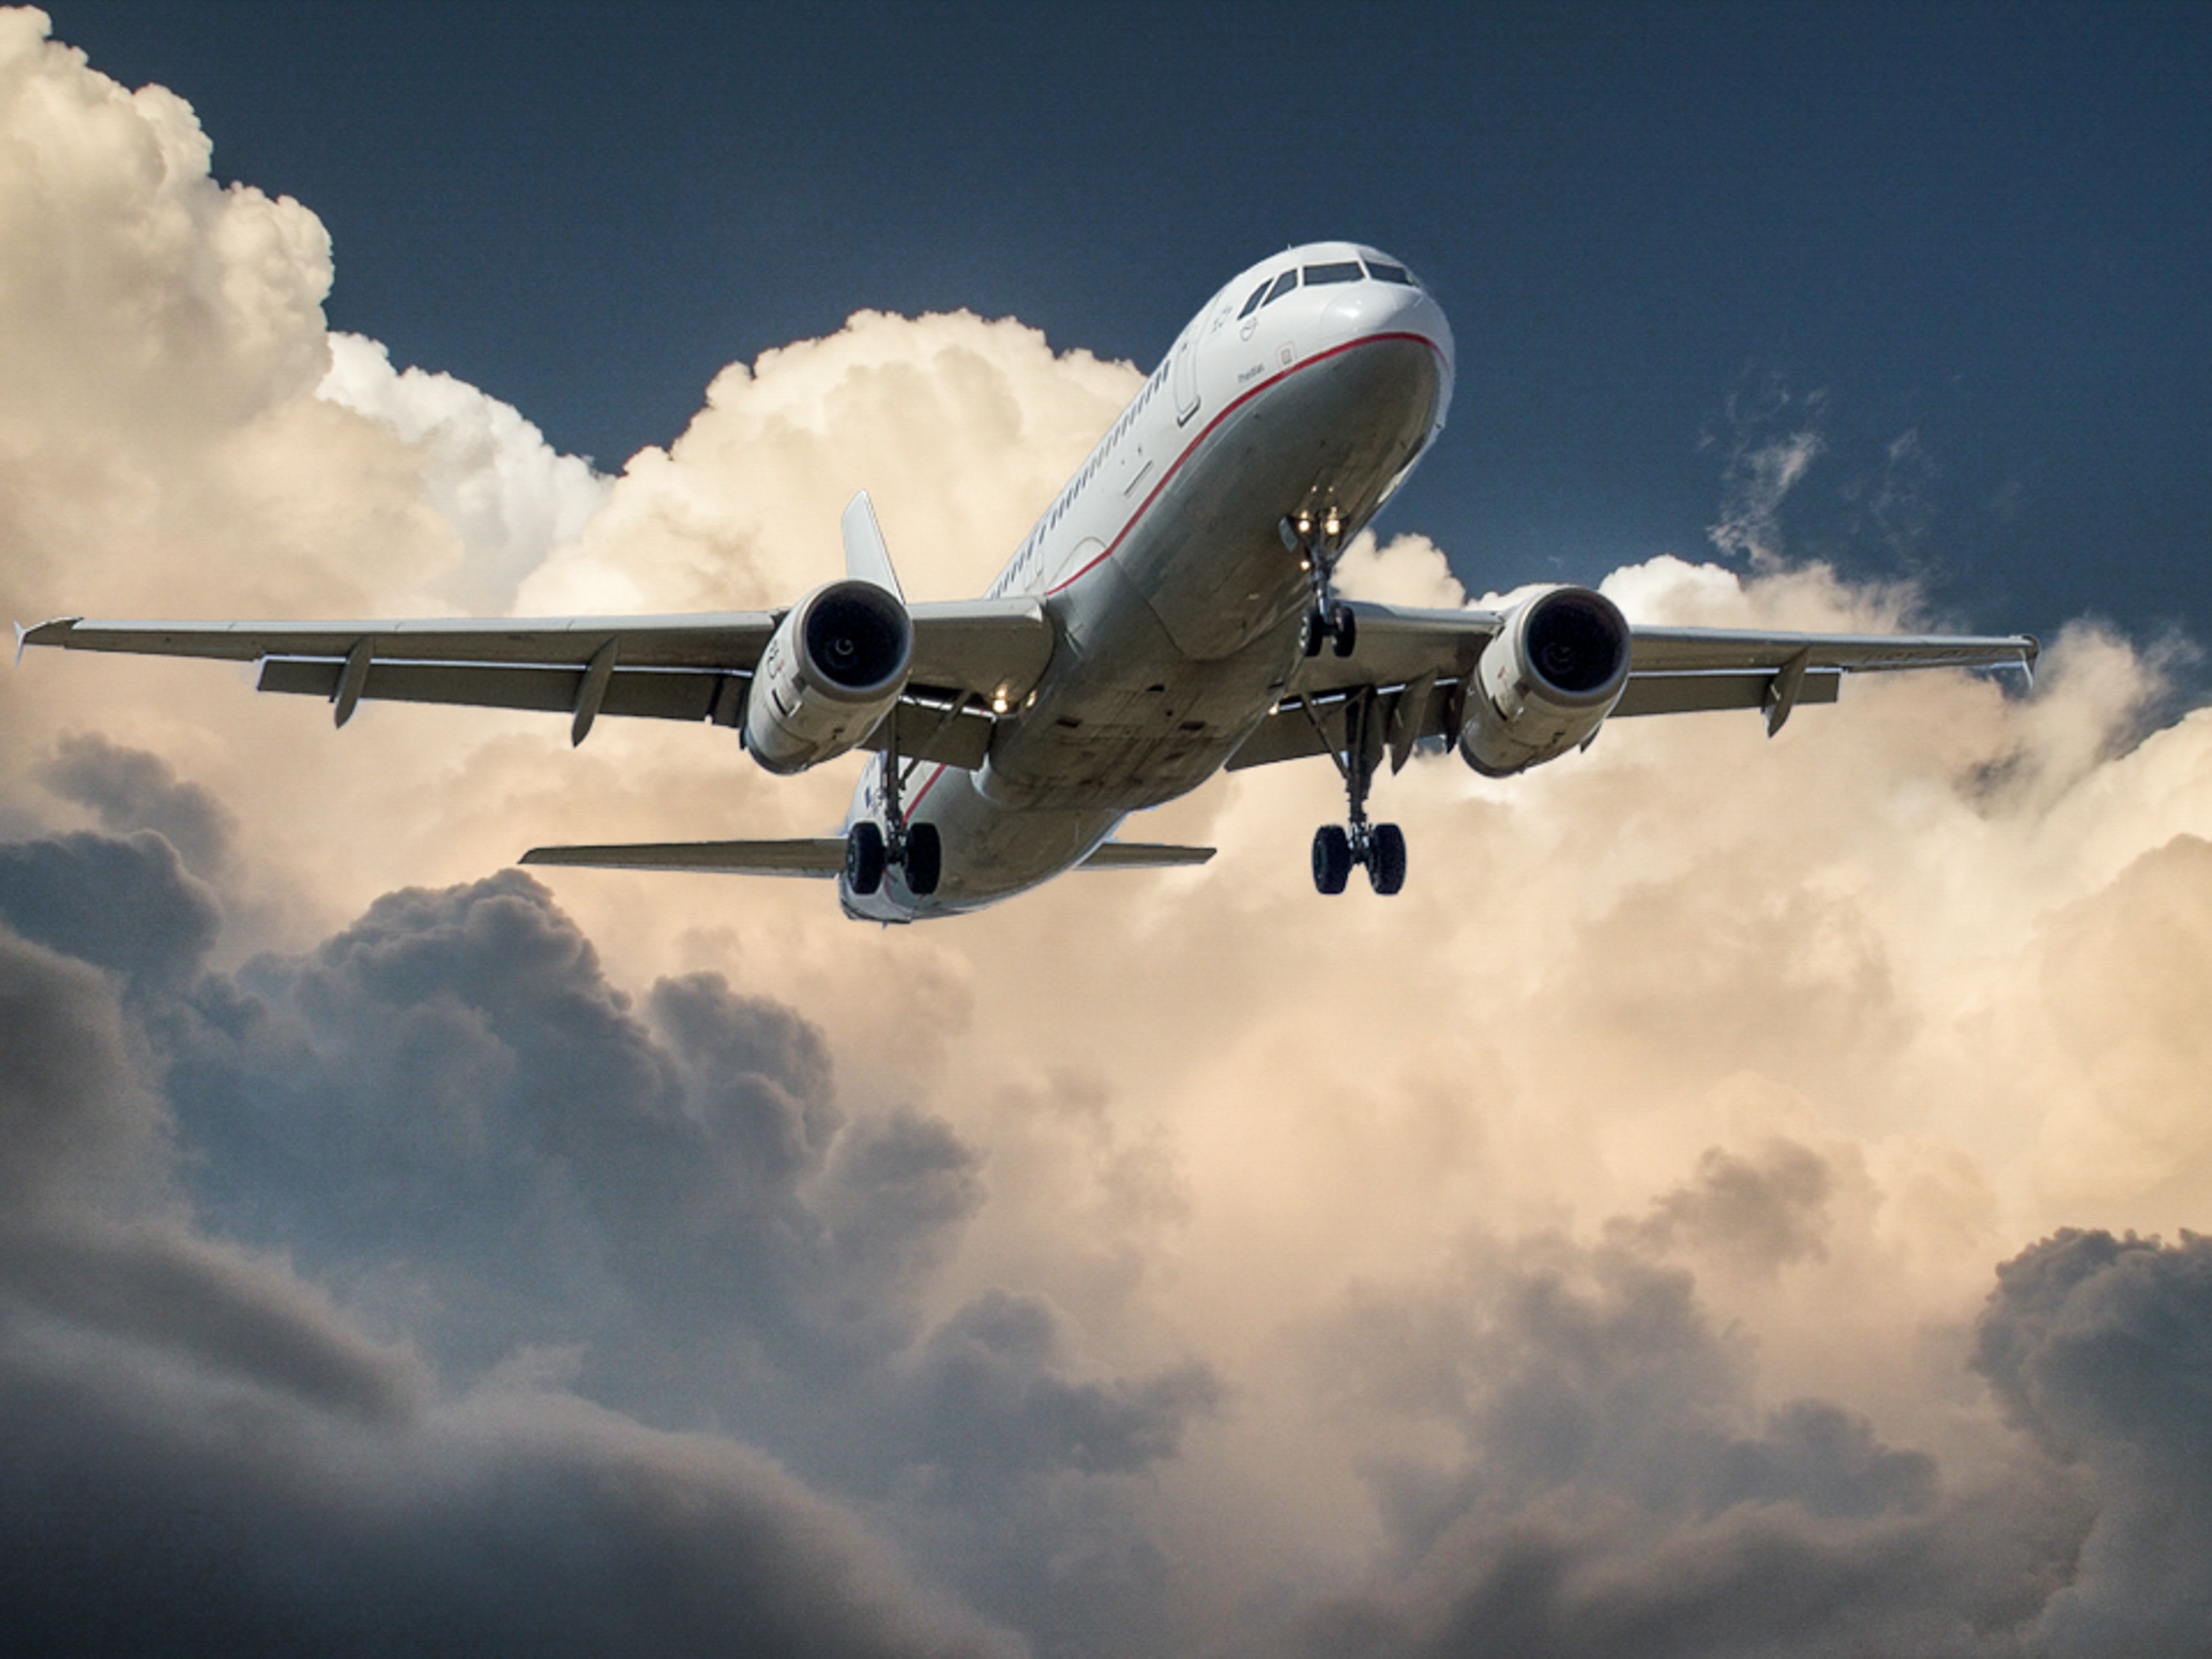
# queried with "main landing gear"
point(1380, 848)
point(1319, 544)
point(915, 848)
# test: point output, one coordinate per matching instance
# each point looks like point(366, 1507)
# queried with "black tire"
point(1331, 858)
point(1316, 626)
point(1386, 858)
point(864, 857)
point(1348, 633)
point(924, 859)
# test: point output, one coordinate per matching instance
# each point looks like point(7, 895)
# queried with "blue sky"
point(1964, 244)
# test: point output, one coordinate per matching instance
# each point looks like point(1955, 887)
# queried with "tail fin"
point(866, 558)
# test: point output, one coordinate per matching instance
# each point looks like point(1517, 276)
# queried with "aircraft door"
point(1184, 377)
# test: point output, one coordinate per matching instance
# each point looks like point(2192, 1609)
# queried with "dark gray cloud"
point(503, 1176)
point(2102, 1348)
point(998, 1397)
point(76, 1124)
point(1766, 1210)
point(204, 1451)
point(129, 790)
point(1618, 1489)
point(449, 1099)
point(125, 903)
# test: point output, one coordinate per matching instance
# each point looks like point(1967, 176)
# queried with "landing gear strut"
point(915, 848)
point(1318, 540)
point(1379, 848)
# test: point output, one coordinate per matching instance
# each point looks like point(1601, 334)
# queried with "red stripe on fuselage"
point(1206, 432)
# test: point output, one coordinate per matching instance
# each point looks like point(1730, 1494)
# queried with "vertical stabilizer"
point(866, 558)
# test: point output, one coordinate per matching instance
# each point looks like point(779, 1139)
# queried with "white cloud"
point(508, 496)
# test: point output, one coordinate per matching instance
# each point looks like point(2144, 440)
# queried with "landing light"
point(1001, 700)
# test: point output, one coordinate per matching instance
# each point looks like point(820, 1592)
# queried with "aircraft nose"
point(1373, 307)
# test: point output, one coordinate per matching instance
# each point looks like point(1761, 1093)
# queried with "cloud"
point(203, 1447)
point(1764, 467)
point(125, 904)
point(509, 496)
point(129, 789)
point(1590, 1251)
point(2099, 1346)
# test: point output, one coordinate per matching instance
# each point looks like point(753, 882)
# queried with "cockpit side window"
point(1283, 284)
point(1253, 304)
point(1343, 270)
point(1388, 273)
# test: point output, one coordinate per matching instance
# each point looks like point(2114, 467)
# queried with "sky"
point(1748, 1197)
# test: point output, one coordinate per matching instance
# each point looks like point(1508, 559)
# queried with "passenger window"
point(1253, 304)
point(1386, 273)
point(1284, 284)
point(1345, 270)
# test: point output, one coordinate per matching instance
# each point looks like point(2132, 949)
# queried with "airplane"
point(1173, 613)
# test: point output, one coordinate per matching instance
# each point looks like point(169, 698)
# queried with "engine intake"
point(1546, 681)
point(833, 669)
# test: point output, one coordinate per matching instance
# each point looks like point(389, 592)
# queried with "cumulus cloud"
point(509, 496)
point(203, 1447)
point(1591, 1251)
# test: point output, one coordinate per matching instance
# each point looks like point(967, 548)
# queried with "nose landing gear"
point(1318, 540)
point(917, 848)
point(1379, 848)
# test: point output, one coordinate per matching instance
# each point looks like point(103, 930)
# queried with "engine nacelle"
point(1546, 683)
point(833, 669)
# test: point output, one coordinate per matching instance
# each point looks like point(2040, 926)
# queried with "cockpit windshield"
point(1321, 275)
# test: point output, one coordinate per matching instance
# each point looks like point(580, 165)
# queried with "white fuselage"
point(1179, 607)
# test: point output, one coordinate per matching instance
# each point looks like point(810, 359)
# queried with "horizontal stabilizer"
point(1142, 855)
point(820, 855)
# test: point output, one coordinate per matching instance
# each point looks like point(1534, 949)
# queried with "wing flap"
point(659, 694)
point(818, 856)
point(1693, 692)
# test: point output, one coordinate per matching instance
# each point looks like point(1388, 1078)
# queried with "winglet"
point(866, 557)
point(28, 636)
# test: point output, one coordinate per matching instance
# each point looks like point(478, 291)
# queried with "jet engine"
point(833, 669)
point(1546, 683)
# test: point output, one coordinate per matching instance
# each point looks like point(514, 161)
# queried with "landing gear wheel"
point(1317, 629)
point(1331, 858)
point(864, 857)
point(1386, 858)
point(925, 859)
point(1346, 631)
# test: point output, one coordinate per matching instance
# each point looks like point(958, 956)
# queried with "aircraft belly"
point(1217, 575)
point(1126, 720)
point(991, 853)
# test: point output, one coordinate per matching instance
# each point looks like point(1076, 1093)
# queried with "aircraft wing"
point(695, 667)
point(1417, 666)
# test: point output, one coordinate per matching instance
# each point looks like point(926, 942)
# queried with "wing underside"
point(1407, 680)
point(696, 668)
